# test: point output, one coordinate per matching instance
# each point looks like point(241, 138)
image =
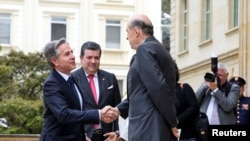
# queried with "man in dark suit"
point(243, 106)
point(65, 114)
point(106, 87)
point(151, 86)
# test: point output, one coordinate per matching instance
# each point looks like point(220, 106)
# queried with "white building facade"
point(27, 25)
point(200, 28)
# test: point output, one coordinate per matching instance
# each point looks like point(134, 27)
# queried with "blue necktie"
point(72, 86)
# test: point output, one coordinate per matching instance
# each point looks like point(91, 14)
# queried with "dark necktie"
point(72, 86)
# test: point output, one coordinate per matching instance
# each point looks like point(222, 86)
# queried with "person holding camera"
point(217, 97)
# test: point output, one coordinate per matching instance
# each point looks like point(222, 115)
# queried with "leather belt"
point(98, 131)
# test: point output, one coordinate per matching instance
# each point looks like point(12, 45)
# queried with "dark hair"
point(51, 50)
point(146, 28)
point(177, 72)
point(90, 45)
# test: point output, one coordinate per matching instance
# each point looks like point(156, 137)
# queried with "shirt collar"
point(65, 76)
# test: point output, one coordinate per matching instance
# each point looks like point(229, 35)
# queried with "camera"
point(210, 77)
point(214, 63)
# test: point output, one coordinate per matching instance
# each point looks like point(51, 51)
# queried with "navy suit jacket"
point(187, 109)
point(63, 118)
point(243, 111)
point(109, 94)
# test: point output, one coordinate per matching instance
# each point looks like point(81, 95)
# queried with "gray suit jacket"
point(151, 88)
point(109, 94)
point(226, 103)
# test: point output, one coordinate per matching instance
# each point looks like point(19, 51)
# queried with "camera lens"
point(209, 77)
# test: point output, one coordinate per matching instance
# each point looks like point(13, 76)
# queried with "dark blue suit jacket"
point(63, 118)
point(243, 111)
point(187, 109)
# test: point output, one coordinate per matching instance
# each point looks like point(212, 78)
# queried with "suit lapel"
point(66, 88)
point(206, 101)
point(101, 82)
point(72, 96)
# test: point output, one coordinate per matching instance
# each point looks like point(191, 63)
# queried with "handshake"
point(109, 114)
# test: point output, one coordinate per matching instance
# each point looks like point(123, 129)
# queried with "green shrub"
point(23, 116)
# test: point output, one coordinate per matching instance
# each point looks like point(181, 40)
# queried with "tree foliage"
point(23, 116)
point(165, 6)
point(21, 82)
point(22, 75)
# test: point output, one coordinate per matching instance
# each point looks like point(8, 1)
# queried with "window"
point(113, 32)
point(5, 28)
point(235, 13)
point(58, 28)
point(185, 26)
point(208, 20)
point(165, 28)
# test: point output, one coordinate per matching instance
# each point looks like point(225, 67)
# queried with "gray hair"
point(222, 66)
point(148, 29)
point(51, 50)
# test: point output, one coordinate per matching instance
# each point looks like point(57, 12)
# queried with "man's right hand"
point(109, 114)
point(175, 132)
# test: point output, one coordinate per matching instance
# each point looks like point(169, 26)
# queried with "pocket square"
point(110, 87)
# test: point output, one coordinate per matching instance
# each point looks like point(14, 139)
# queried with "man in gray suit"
point(106, 88)
point(219, 100)
point(150, 86)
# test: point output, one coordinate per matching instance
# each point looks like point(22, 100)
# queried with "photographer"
point(218, 100)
